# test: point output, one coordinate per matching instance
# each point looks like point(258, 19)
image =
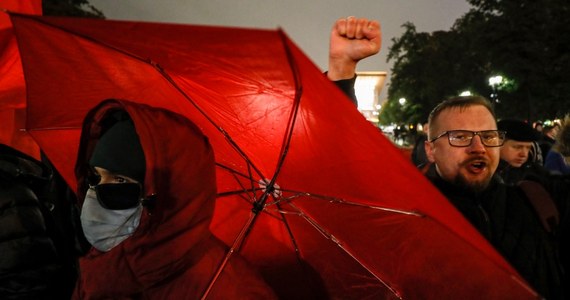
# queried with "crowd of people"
point(148, 248)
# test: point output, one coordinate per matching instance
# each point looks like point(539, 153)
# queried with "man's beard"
point(475, 187)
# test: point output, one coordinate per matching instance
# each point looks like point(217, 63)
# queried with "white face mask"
point(106, 228)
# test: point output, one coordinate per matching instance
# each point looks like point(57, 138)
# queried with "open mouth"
point(477, 166)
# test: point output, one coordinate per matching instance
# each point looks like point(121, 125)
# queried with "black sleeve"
point(34, 263)
point(347, 87)
point(28, 265)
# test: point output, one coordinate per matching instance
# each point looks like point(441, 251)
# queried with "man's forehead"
point(474, 117)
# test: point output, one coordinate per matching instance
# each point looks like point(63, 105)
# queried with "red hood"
point(180, 173)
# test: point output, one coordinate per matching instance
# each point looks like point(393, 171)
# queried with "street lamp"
point(494, 81)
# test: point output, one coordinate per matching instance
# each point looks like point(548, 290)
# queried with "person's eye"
point(460, 136)
point(489, 136)
point(119, 179)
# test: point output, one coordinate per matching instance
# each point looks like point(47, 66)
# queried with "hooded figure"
point(165, 249)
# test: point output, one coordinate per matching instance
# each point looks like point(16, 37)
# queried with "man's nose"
point(477, 145)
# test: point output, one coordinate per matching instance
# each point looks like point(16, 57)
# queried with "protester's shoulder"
point(19, 166)
point(18, 174)
point(554, 161)
point(520, 206)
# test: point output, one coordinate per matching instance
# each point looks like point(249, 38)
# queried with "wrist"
point(341, 69)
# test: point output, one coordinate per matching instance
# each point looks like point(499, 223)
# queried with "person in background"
point(536, 153)
point(516, 168)
point(516, 162)
point(558, 158)
point(548, 138)
point(419, 158)
point(538, 127)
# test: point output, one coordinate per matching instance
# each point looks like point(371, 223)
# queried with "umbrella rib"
point(270, 186)
point(332, 238)
point(238, 242)
point(297, 194)
point(296, 103)
point(234, 172)
point(290, 232)
point(53, 128)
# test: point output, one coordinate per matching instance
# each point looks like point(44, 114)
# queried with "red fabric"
point(33, 7)
point(172, 254)
point(12, 86)
point(354, 219)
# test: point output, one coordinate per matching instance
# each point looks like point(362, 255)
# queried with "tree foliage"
point(525, 41)
point(71, 8)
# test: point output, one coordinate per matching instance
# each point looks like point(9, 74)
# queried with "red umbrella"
point(309, 191)
point(12, 87)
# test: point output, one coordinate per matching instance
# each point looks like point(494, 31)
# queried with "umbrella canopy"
point(308, 190)
point(12, 87)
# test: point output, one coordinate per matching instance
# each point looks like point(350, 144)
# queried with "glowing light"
point(495, 80)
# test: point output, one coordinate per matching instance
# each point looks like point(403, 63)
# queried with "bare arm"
point(351, 40)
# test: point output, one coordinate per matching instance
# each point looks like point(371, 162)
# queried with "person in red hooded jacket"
point(147, 177)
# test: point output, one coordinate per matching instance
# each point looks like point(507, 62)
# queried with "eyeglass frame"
point(501, 135)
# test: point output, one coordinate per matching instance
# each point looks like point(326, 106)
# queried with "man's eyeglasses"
point(463, 138)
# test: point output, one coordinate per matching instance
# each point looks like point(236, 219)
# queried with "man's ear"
point(429, 147)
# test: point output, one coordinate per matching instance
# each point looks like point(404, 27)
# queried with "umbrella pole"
point(238, 242)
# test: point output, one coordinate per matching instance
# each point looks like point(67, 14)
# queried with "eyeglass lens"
point(491, 138)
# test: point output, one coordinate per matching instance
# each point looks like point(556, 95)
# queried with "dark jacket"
point(419, 157)
point(513, 175)
point(504, 216)
point(32, 265)
point(545, 144)
point(555, 163)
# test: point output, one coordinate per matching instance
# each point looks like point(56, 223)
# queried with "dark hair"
point(461, 102)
